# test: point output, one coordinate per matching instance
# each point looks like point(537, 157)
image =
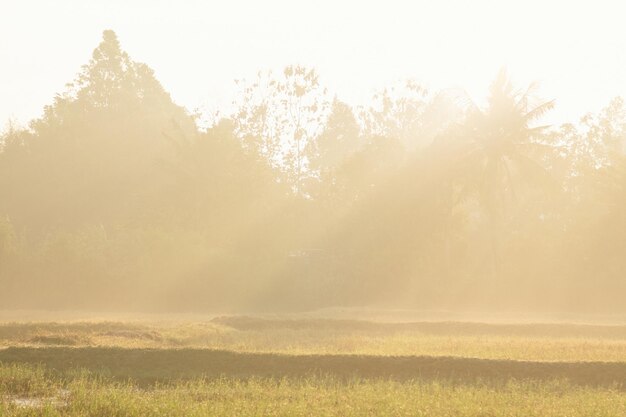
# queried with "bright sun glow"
point(574, 49)
point(296, 208)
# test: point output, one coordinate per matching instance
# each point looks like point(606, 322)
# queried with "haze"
point(328, 208)
point(197, 48)
point(253, 157)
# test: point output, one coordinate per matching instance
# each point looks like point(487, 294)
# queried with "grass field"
point(240, 366)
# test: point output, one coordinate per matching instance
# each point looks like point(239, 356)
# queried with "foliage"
point(115, 198)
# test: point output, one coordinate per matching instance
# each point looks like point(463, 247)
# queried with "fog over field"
point(284, 208)
point(289, 198)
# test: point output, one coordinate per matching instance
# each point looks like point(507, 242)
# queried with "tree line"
point(115, 198)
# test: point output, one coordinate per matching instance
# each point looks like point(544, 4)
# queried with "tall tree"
point(279, 116)
point(495, 155)
point(94, 154)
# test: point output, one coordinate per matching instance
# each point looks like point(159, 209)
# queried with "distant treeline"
point(116, 199)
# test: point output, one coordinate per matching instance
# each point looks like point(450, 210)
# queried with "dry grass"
point(245, 366)
point(527, 342)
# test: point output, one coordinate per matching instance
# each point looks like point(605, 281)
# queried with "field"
point(297, 366)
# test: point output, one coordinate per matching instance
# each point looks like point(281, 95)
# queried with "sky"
point(575, 50)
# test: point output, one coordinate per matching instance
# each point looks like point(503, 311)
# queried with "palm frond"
point(539, 111)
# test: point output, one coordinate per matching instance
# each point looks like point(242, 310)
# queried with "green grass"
point(310, 367)
point(83, 394)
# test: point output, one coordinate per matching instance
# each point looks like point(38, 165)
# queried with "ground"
point(323, 364)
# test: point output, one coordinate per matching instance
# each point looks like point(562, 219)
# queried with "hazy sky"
point(575, 49)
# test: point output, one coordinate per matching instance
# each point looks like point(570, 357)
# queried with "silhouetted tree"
point(496, 156)
point(279, 116)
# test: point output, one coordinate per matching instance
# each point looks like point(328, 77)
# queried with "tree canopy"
point(116, 198)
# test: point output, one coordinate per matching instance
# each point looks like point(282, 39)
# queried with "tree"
point(330, 151)
point(495, 155)
point(279, 116)
point(408, 113)
point(339, 139)
point(94, 154)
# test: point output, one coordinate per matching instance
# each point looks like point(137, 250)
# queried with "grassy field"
point(527, 342)
point(240, 366)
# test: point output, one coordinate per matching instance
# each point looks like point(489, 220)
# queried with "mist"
point(291, 199)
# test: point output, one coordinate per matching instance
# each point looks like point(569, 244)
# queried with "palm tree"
point(495, 156)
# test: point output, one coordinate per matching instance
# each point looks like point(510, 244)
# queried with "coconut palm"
point(496, 153)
